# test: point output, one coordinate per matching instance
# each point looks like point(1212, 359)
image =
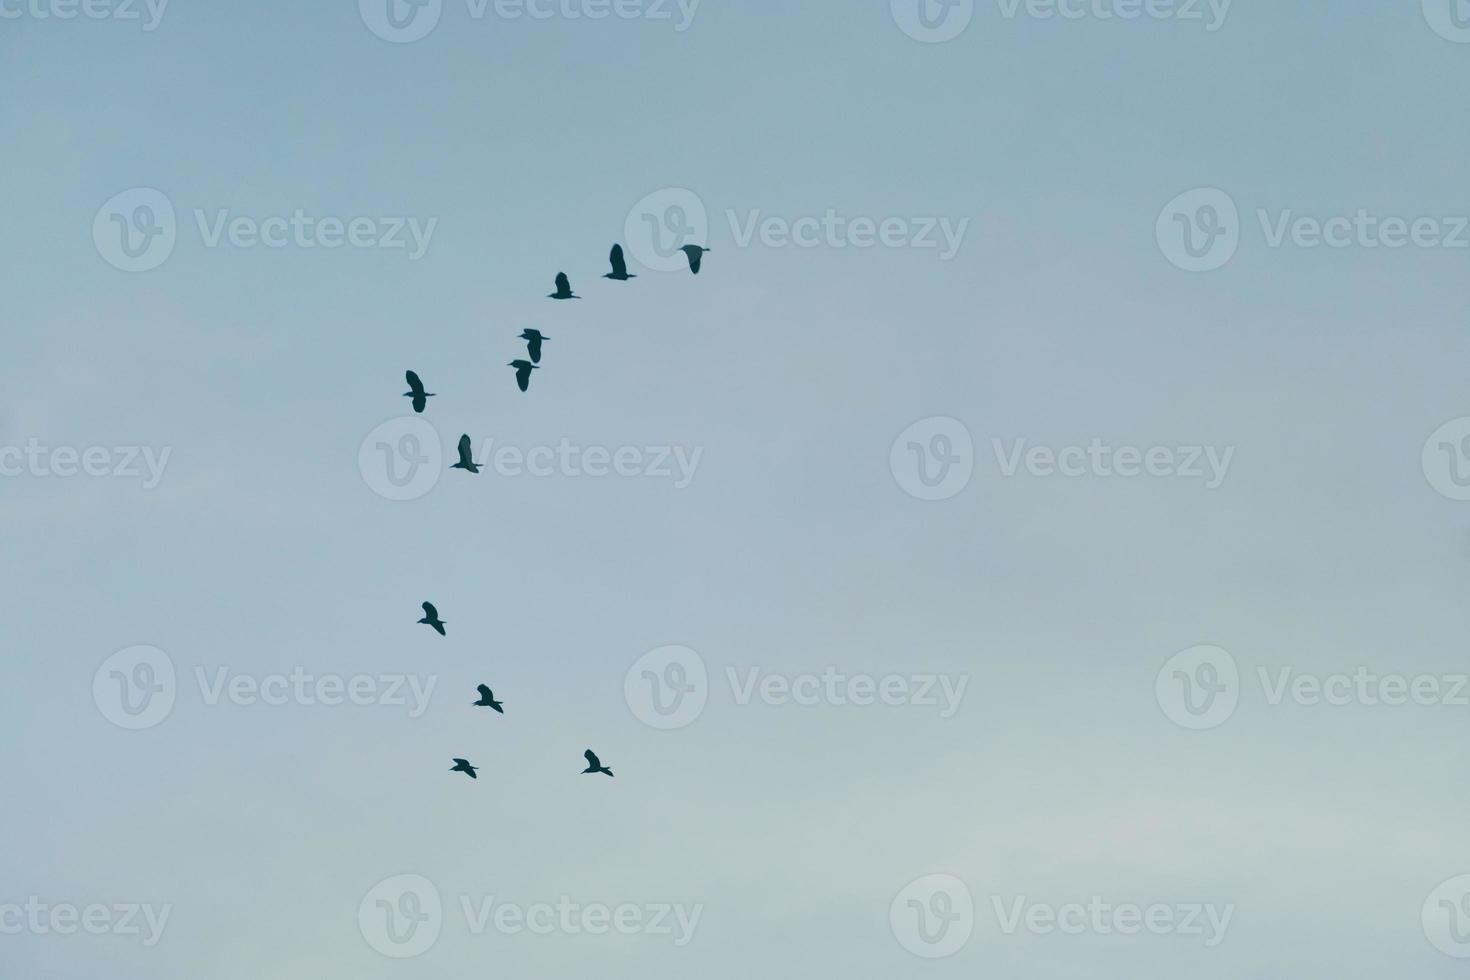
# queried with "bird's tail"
point(608, 771)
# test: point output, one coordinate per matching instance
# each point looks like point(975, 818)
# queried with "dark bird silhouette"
point(487, 700)
point(431, 618)
point(563, 288)
point(466, 456)
point(619, 265)
point(594, 765)
point(461, 765)
point(523, 373)
point(695, 255)
point(533, 339)
point(417, 393)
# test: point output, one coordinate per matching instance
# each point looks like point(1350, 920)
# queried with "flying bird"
point(431, 618)
point(619, 266)
point(466, 456)
point(487, 700)
point(563, 288)
point(533, 339)
point(417, 393)
point(523, 373)
point(695, 254)
point(594, 765)
point(461, 765)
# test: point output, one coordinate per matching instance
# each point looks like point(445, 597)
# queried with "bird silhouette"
point(563, 288)
point(417, 393)
point(594, 765)
point(523, 373)
point(487, 700)
point(619, 266)
point(431, 618)
point(466, 456)
point(461, 765)
point(533, 339)
point(695, 254)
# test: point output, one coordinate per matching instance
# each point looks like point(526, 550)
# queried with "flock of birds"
point(420, 401)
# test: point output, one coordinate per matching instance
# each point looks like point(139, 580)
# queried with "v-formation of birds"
point(534, 340)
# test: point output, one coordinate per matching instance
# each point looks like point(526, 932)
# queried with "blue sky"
point(1332, 542)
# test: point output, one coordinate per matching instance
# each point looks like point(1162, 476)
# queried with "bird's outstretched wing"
point(696, 258)
point(563, 284)
point(486, 693)
point(466, 450)
point(414, 384)
point(619, 264)
point(592, 759)
point(523, 378)
point(430, 612)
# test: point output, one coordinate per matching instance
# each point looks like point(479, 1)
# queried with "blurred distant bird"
point(593, 765)
point(417, 393)
point(487, 700)
point(563, 288)
point(619, 266)
point(431, 618)
point(462, 766)
point(466, 456)
point(523, 373)
point(533, 339)
point(695, 255)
